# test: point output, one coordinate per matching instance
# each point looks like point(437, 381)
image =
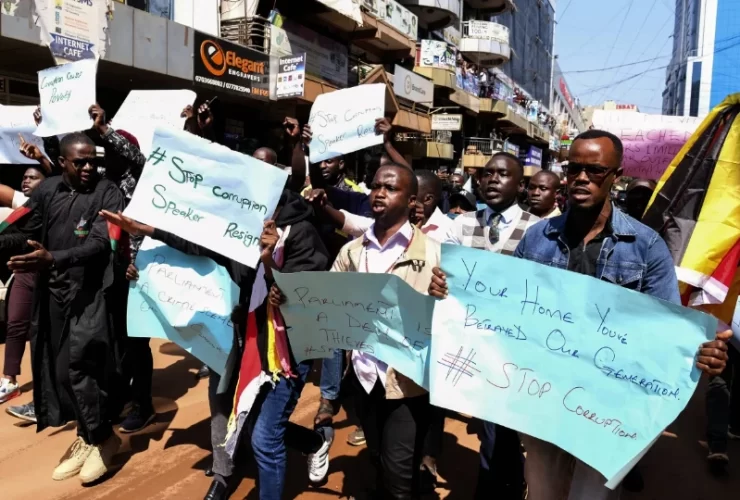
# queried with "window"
point(695, 87)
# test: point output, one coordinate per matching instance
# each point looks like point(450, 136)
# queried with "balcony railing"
point(485, 30)
point(252, 32)
point(479, 146)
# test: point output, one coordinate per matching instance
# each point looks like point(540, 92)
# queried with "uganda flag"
point(696, 209)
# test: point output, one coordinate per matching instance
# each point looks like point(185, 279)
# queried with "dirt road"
point(167, 459)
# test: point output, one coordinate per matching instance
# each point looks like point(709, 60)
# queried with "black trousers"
point(723, 403)
point(395, 430)
point(138, 368)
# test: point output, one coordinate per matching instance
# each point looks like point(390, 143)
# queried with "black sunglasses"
point(80, 163)
point(594, 172)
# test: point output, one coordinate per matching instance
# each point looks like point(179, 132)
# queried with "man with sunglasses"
point(596, 239)
point(70, 334)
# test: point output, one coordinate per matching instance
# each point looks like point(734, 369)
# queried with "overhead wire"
point(619, 32)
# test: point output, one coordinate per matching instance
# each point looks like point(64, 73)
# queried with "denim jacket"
point(633, 257)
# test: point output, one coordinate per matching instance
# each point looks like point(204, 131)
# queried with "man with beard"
point(634, 256)
point(70, 334)
point(542, 194)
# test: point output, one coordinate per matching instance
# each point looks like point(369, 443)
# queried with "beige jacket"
point(415, 268)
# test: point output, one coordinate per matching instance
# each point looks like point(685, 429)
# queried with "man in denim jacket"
point(596, 239)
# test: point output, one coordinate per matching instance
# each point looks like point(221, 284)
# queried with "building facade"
point(706, 47)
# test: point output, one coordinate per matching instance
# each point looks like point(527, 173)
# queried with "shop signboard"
point(413, 87)
point(452, 123)
point(73, 29)
point(394, 14)
point(532, 157)
point(226, 66)
point(325, 58)
point(436, 54)
point(511, 148)
point(291, 78)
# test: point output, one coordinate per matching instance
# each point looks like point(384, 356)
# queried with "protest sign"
point(15, 121)
point(650, 141)
point(598, 370)
point(358, 311)
point(207, 194)
point(344, 121)
point(66, 93)
point(185, 299)
point(143, 110)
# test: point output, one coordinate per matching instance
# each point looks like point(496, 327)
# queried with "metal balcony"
point(485, 43)
point(435, 14)
point(492, 6)
point(477, 152)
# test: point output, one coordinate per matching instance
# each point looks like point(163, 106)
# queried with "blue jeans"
point(331, 375)
point(271, 432)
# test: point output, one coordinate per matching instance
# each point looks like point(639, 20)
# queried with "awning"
point(378, 75)
point(466, 100)
point(410, 120)
point(314, 87)
point(372, 34)
point(440, 77)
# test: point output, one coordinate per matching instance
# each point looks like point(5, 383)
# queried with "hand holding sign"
point(344, 121)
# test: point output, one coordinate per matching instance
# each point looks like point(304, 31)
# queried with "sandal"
point(325, 413)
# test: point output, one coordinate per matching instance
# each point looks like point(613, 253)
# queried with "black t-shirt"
point(583, 258)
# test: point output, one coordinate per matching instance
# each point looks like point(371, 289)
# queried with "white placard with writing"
point(447, 122)
point(15, 120)
point(66, 93)
point(207, 194)
point(413, 87)
point(143, 110)
point(344, 121)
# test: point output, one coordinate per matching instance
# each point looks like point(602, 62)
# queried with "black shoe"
point(137, 419)
point(217, 491)
point(209, 472)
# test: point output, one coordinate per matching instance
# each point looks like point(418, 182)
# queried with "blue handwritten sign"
point(378, 314)
point(207, 194)
point(598, 370)
point(185, 299)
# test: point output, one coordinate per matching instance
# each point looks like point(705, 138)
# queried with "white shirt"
point(377, 258)
point(19, 199)
point(437, 227)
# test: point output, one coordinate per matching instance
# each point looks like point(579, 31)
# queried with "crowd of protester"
point(70, 286)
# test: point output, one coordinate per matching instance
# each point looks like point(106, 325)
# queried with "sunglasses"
point(594, 172)
point(80, 163)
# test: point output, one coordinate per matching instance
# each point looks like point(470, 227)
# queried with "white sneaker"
point(318, 463)
point(8, 390)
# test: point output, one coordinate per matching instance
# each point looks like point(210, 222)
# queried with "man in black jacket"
point(70, 332)
point(267, 422)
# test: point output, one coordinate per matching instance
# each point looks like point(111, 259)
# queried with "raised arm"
point(298, 156)
point(383, 126)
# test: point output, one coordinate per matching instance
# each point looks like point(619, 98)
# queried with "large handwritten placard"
point(207, 194)
point(66, 93)
point(344, 121)
point(378, 314)
point(15, 120)
point(144, 110)
point(185, 299)
point(598, 370)
point(650, 141)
